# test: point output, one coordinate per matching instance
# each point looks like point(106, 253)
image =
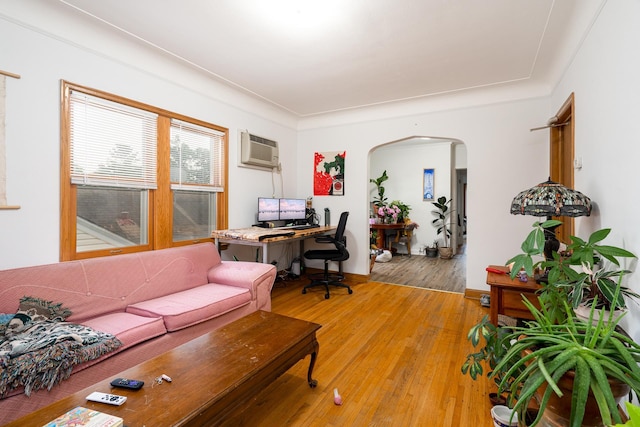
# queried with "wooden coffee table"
point(213, 375)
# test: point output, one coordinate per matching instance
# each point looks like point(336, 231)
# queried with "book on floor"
point(81, 416)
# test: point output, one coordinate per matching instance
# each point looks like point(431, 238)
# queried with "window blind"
point(196, 157)
point(112, 144)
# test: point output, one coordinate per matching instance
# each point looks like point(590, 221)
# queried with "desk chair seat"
point(338, 254)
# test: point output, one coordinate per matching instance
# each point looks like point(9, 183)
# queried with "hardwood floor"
point(393, 352)
point(422, 272)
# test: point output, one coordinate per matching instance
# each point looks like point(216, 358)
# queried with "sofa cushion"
point(129, 328)
point(182, 309)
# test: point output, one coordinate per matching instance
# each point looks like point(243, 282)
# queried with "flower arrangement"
point(389, 214)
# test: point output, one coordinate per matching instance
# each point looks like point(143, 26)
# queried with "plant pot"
point(445, 253)
point(582, 313)
point(502, 416)
point(558, 409)
point(431, 252)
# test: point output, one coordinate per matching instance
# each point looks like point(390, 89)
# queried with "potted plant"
point(558, 357)
point(403, 215)
point(578, 371)
point(380, 200)
point(441, 222)
point(494, 347)
point(586, 270)
point(432, 251)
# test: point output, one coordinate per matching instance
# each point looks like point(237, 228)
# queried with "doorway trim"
point(561, 155)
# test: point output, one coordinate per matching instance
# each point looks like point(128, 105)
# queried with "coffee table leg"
point(314, 355)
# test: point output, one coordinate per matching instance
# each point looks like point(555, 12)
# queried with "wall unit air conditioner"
point(258, 151)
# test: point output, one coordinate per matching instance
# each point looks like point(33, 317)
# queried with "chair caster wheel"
point(304, 291)
point(350, 291)
point(326, 296)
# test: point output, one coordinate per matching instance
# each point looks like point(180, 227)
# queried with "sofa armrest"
point(258, 278)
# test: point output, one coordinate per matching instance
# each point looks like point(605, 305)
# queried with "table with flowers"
point(382, 241)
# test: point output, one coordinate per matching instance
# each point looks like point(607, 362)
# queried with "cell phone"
point(127, 383)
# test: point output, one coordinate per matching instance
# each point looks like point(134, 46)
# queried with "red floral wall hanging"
point(328, 173)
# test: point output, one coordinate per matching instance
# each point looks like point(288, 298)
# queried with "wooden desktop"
point(265, 237)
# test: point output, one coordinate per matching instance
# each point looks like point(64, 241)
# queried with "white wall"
point(503, 158)
point(605, 77)
point(30, 235)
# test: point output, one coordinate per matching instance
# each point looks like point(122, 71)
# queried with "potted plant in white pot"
point(441, 222)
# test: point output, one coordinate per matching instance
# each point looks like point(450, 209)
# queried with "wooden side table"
point(382, 241)
point(507, 294)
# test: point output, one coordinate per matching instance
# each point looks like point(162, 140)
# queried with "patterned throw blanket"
point(46, 352)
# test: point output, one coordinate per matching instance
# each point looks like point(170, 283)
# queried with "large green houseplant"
point(381, 199)
point(586, 270)
point(594, 363)
point(441, 222)
point(556, 343)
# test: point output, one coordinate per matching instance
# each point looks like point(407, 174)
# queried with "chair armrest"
point(324, 239)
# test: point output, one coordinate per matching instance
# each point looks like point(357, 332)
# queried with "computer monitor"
point(293, 209)
point(268, 209)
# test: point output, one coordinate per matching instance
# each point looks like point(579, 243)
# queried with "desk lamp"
point(551, 199)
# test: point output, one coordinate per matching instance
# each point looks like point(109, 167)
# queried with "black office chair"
point(338, 254)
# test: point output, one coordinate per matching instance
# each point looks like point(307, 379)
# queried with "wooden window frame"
point(160, 199)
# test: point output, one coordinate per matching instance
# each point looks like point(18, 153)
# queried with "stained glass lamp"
point(551, 199)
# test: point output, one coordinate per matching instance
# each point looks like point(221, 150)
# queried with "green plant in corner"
point(381, 200)
point(441, 222)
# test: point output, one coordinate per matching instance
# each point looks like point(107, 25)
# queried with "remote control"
point(125, 383)
point(111, 399)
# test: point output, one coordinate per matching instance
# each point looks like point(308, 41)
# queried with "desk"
point(264, 237)
point(506, 295)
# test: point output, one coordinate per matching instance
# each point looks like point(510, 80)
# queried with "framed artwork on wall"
point(328, 173)
point(427, 184)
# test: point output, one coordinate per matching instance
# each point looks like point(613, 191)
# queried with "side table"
point(507, 294)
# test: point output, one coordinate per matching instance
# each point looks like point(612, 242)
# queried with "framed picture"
point(427, 184)
point(328, 173)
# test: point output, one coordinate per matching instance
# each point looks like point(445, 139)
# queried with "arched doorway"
point(405, 161)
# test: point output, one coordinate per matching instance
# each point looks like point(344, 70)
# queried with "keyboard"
point(297, 227)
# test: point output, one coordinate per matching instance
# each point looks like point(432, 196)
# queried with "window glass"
point(193, 214)
point(109, 218)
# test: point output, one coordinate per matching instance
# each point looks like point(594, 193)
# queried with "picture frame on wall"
point(328, 173)
point(428, 190)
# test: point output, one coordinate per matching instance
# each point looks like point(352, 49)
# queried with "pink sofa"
point(151, 301)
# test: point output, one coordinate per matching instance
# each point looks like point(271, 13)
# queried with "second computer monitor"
point(293, 209)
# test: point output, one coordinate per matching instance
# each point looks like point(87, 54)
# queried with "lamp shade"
point(551, 199)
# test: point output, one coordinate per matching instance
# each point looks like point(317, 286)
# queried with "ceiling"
point(313, 57)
